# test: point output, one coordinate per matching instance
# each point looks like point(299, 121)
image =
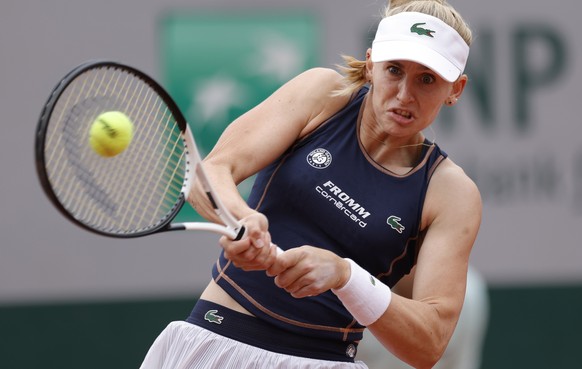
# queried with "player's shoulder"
point(314, 90)
point(313, 84)
point(320, 81)
point(449, 174)
point(323, 75)
point(450, 178)
point(452, 196)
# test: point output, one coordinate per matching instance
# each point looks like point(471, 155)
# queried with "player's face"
point(406, 96)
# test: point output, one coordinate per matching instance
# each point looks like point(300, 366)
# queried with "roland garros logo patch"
point(319, 158)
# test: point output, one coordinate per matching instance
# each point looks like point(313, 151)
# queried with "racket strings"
point(131, 192)
point(69, 155)
point(161, 200)
point(91, 107)
point(173, 159)
point(148, 158)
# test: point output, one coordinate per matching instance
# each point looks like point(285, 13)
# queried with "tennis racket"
point(138, 192)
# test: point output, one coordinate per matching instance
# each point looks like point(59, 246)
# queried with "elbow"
point(426, 362)
point(431, 354)
point(431, 361)
point(435, 342)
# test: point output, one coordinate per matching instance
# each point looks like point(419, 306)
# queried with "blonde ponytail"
point(354, 72)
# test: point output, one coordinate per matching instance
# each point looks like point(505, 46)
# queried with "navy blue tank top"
point(325, 191)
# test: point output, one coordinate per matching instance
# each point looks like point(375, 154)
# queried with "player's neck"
point(395, 154)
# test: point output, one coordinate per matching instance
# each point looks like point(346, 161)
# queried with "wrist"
point(344, 275)
point(363, 295)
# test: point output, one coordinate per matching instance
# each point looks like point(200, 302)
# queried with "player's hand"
point(309, 271)
point(254, 251)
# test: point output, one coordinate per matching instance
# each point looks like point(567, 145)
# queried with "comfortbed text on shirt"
point(343, 202)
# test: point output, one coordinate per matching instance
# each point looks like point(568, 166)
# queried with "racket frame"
point(194, 169)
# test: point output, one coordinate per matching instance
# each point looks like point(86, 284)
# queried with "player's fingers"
point(254, 258)
point(234, 248)
point(262, 260)
point(305, 286)
point(293, 277)
point(260, 239)
point(277, 265)
point(285, 260)
point(254, 255)
point(257, 227)
point(305, 291)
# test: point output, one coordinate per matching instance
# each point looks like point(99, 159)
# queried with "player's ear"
point(457, 90)
point(369, 65)
point(459, 86)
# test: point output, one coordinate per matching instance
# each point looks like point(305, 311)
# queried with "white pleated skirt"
point(183, 345)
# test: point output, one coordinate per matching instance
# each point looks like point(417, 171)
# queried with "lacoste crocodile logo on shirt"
point(394, 222)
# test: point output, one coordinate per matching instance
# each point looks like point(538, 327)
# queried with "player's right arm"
point(256, 139)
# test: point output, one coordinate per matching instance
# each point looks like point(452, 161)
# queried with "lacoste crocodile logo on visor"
point(421, 31)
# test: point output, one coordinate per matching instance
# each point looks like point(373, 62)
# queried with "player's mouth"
point(403, 113)
point(402, 116)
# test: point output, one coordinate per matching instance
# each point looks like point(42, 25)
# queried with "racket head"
point(135, 193)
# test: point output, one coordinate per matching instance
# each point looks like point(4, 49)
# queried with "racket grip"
point(241, 233)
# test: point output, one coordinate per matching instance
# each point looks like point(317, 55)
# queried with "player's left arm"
point(418, 330)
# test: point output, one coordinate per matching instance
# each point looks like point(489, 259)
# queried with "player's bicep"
point(444, 254)
point(262, 134)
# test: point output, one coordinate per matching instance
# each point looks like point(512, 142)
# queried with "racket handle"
point(241, 233)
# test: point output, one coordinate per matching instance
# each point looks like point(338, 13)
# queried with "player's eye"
point(393, 69)
point(427, 78)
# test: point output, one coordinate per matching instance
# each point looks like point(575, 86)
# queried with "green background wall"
point(531, 328)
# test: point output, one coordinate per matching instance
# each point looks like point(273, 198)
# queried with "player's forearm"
point(414, 331)
point(224, 186)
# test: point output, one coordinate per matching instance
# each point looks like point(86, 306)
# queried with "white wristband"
point(364, 296)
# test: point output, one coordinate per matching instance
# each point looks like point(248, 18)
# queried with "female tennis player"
point(355, 195)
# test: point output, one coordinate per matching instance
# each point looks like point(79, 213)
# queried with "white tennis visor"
point(423, 39)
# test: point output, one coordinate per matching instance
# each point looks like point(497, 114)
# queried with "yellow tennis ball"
point(111, 133)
